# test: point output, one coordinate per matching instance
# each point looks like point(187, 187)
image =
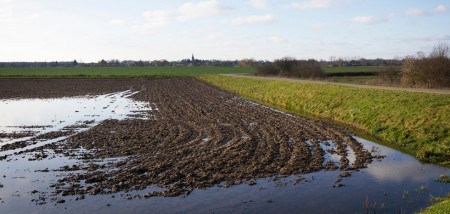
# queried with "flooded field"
point(181, 145)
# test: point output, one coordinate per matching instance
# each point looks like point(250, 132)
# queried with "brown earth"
point(199, 136)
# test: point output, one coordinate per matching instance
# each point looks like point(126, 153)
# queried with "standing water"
point(396, 184)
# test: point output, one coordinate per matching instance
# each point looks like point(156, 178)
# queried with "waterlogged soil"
point(195, 137)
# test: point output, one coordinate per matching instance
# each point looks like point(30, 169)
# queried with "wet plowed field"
point(191, 136)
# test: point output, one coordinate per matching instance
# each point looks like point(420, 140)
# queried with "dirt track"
point(197, 136)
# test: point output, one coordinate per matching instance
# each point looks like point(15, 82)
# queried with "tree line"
point(333, 62)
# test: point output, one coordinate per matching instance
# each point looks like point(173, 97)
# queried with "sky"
point(91, 30)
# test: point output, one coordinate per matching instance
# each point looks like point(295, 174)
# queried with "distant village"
point(332, 62)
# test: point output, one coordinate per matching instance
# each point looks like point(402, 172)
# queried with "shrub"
point(307, 69)
point(390, 75)
point(431, 72)
point(268, 69)
point(285, 64)
point(291, 67)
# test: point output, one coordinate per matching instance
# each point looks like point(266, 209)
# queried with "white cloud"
point(311, 4)
point(415, 12)
point(420, 12)
point(319, 25)
point(214, 36)
point(277, 39)
point(364, 19)
point(440, 9)
point(250, 20)
point(117, 21)
point(258, 3)
point(189, 10)
point(154, 20)
point(371, 19)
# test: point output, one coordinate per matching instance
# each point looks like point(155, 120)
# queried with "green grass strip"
point(117, 72)
point(352, 69)
point(418, 123)
point(438, 208)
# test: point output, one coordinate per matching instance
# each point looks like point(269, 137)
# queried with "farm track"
point(197, 136)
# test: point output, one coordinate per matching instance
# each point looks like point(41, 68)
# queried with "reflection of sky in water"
point(398, 167)
point(330, 157)
point(55, 114)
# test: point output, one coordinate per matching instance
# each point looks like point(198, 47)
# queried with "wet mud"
point(196, 136)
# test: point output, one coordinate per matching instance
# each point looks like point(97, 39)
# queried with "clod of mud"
point(197, 137)
point(345, 174)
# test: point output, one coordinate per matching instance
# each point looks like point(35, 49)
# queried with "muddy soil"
point(51, 88)
point(197, 136)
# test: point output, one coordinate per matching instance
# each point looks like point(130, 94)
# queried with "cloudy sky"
point(91, 30)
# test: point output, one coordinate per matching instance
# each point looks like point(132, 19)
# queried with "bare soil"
point(197, 136)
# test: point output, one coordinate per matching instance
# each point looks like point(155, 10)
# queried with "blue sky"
point(91, 30)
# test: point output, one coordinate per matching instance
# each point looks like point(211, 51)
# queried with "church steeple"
point(193, 60)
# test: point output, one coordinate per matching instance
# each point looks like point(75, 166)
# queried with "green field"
point(418, 123)
point(117, 72)
point(352, 69)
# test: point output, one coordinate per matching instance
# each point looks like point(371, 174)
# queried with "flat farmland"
point(117, 72)
point(180, 144)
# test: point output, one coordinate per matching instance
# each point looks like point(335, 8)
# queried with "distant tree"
point(340, 62)
point(363, 62)
point(285, 63)
point(162, 62)
point(43, 64)
point(268, 69)
point(54, 64)
point(247, 63)
point(75, 63)
point(103, 63)
point(431, 72)
point(139, 63)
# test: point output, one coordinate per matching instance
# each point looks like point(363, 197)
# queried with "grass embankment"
point(352, 79)
point(418, 123)
point(442, 207)
point(117, 72)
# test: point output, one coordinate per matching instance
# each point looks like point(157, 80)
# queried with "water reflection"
point(397, 166)
point(41, 116)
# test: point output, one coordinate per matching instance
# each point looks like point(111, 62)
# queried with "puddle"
point(34, 117)
point(327, 147)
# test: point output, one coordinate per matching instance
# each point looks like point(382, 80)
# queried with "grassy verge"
point(416, 122)
point(117, 72)
point(352, 79)
point(442, 207)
